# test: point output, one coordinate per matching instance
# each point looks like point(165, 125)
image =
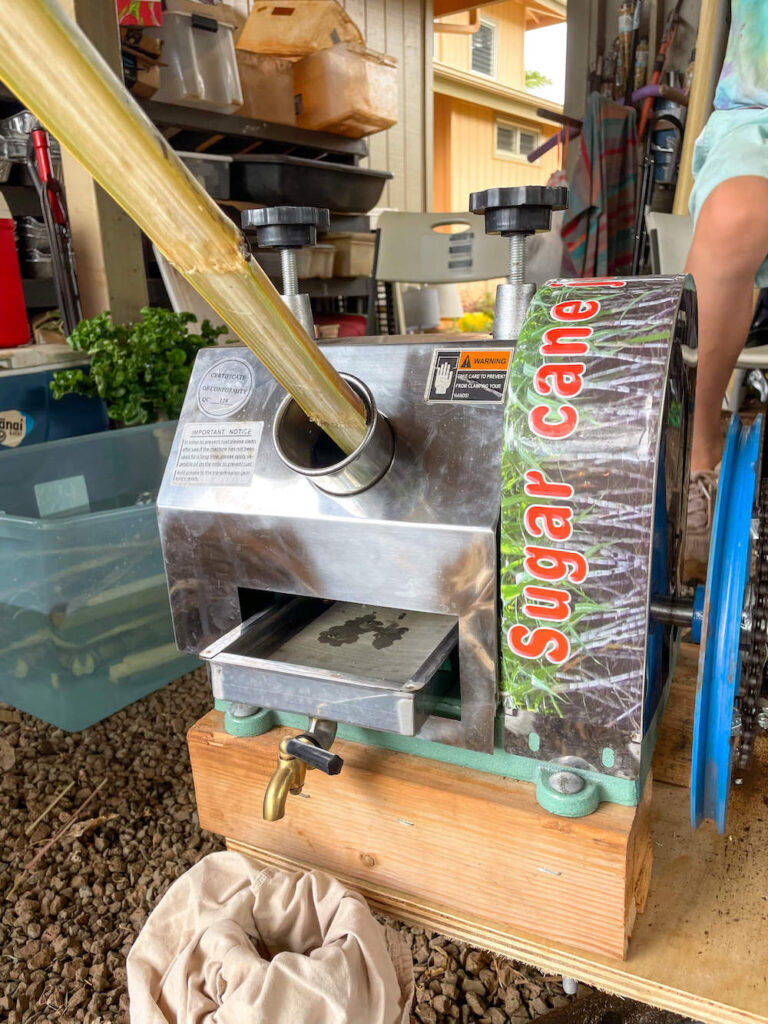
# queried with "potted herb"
point(140, 370)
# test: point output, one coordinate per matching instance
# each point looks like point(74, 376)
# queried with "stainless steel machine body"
point(345, 606)
point(244, 533)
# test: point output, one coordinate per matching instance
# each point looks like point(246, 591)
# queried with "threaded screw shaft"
point(289, 270)
point(516, 259)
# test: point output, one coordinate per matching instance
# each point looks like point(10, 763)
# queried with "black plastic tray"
point(276, 180)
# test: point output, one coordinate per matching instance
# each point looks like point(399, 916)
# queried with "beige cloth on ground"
point(234, 943)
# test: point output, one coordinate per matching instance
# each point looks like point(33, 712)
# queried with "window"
point(483, 53)
point(514, 141)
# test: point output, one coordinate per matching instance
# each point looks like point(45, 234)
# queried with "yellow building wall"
point(465, 159)
point(454, 50)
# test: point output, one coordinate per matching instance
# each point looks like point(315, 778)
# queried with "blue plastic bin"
point(85, 624)
point(29, 414)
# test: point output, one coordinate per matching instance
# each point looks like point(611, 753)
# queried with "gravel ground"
point(78, 890)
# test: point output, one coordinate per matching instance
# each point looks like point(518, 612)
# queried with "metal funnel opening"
point(306, 449)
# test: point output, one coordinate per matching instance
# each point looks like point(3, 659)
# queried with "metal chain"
point(754, 664)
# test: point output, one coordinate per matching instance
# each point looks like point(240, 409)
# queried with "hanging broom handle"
point(53, 68)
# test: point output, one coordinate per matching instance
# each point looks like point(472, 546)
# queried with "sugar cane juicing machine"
point(493, 577)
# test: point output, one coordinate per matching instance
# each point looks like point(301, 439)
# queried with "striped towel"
point(598, 228)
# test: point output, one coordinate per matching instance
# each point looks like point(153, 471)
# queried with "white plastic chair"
point(411, 251)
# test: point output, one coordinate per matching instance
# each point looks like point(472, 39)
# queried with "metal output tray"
point(359, 664)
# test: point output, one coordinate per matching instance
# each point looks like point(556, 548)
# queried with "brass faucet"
point(288, 778)
point(293, 762)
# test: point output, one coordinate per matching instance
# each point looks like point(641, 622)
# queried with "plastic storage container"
point(355, 251)
point(311, 261)
point(274, 180)
point(346, 89)
point(267, 84)
point(211, 171)
point(85, 624)
point(29, 414)
point(293, 30)
point(200, 65)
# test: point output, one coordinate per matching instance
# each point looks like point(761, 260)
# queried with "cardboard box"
point(142, 77)
point(267, 84)
point(134, 39)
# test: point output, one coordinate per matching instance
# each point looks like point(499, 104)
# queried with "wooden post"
point(710, 41)
point(107, 244)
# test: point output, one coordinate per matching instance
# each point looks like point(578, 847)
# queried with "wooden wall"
point(465, 159)
point(403, 29)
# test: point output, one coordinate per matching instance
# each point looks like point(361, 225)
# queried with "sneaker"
point(702, 490)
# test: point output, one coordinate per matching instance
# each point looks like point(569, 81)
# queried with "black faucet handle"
point(308, 750)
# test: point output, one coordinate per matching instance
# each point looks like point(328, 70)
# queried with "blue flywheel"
point(715, 726)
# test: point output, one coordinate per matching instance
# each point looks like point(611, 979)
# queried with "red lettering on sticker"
point(575, 309)
point(544, 641)
point(567, 379)
point(555, 430)
point(537, 486)
point(561, 341)
point(551, 564)
point(551, 521)
point(551, 603)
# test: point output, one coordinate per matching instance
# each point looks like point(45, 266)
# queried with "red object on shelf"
point(351, 325)
point(14, 328)
point(140, 12)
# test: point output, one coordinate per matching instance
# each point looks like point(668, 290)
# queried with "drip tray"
point(353, 663)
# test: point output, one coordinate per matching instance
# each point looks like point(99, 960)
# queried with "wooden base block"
point(429, 834)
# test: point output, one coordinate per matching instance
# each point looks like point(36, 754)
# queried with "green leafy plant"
point(536, 80)
point(140, 370)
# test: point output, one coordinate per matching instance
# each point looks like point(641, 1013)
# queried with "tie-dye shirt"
point(744, 78)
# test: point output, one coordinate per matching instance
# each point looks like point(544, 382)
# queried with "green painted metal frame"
point(598, 787)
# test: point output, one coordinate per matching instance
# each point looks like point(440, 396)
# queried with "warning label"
point(472, 377)
point(217, 454)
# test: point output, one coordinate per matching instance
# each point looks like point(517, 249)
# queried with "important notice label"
point(469, 376)
point(217, 454)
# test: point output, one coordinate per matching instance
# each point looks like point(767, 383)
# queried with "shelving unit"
point(191, 130)
point(204, 132)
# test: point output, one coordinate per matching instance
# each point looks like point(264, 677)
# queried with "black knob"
point(307, 749)
point(285, 227)
point(523, 209)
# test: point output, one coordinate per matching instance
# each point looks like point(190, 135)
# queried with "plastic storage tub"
point(200, 68)
point(346, 89)
point(85, 624)
point(273, 180)
point(355, 252)
point(211, 171)
point(30, 415)
point(311, 261)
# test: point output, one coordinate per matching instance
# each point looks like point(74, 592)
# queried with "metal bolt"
point(761, 719)
point(736, 724)
point(516, 259)
point(290, 274)
point(566, 783)
point(243, 710)
point(570, 986)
